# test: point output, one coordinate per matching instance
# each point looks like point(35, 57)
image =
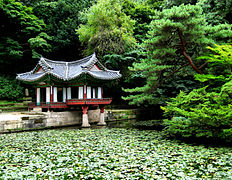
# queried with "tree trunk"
point(183, 45)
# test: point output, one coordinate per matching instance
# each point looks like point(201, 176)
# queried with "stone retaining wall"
point(10, 122)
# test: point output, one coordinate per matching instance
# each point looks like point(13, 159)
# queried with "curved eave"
point(105, 75)
point(29, 77)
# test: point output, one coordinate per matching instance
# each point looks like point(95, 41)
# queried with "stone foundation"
point(18, 121)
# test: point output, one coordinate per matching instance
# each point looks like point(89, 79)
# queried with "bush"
point(10, 89)
point(201, 114)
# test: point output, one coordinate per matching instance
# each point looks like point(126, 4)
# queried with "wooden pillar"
point(37, 96)
point(80, 92)
point(102, 117)
point(94, 93)
point(51, 94)
point(64, 94)
point(102, 92)
point(69, 93)
point(99, 92)
point(85, 93)
point(88, 96)
point(54, 94)
point(85, 120)
point(47, 95)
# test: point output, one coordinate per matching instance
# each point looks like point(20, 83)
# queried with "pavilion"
point(63, 85)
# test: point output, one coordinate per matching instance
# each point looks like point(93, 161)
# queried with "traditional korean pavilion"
point(63, 85)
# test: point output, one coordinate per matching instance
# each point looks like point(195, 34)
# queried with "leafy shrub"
point(178, 126)
point(205, 114)
point(201, 114)
point(10, 89)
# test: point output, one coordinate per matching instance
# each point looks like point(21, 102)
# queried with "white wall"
point(38, 96)
point(54, 94)
point(88, 92)
point(47, 95)
point(64, 94)
point(81, 92)
point(69, 93)
point(99, 92)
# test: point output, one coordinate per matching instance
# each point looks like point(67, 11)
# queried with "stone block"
point(85, 122)
point(10, 126)
point(37, 109)
point(94, 115)
point(1, 127)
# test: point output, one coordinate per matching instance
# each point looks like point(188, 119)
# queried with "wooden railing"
point(70, 102)
point(47, 105)
point(88, 101)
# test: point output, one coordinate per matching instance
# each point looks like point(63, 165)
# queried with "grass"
point(7, 106)
point(108, 154)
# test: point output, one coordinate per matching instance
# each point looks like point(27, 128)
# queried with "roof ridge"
point(71, 62)
point(66, 70)
point(64, 62)
point(43, 60)
point(90, 62)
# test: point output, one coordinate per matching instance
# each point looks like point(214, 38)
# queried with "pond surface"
point(111, 153)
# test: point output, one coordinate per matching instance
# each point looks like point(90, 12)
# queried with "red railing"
point(71, 102)
point(88, 101)
point(47, 105)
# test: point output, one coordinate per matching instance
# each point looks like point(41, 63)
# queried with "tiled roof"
point(69, 70)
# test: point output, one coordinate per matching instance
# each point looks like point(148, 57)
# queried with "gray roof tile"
point(69, 70)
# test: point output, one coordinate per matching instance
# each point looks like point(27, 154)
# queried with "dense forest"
point(176, 54)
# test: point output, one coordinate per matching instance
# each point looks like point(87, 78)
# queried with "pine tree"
point(176, 37)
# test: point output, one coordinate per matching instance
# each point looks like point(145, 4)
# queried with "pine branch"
point(172, 73)
point(183, 45)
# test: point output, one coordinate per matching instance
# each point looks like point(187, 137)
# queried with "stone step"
point(13, 108)
point(27, 98)
point(6, 104)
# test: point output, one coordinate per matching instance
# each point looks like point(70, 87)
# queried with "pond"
point(111, 153)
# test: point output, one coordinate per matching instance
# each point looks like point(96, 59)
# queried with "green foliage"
point(40, 42)
point(10, 89)
point(10, 48)
point(121, 61)
point(178, 126)
point(62, 18)
point(219, 66)
point(108, 154)
point(162, 51)
point(217, 12)
point(201, 114)
point(141, 12)
point(20, 29)
point(30, 24)
point(174, 34)
point(106, 28)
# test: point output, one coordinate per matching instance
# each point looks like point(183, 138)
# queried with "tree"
point(201, 114)
point(106, 28)
point(217, 12)
point(205, 112)
point(219, 69)
point(10, 89)
point(21, 33)
point(62, 18)
point(176, 37)
point(141, 12)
